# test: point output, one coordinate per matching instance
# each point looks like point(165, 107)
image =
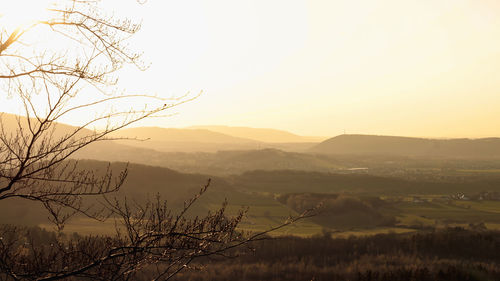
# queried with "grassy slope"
point(146, 181)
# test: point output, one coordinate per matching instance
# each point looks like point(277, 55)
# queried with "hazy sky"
point(392, 67)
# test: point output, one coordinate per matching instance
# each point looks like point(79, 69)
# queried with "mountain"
point(261, 134)
point(182, 140)
point(201, 140)
point(413, 147)
point(180, 135)
point(158, 139)
point(11, 123)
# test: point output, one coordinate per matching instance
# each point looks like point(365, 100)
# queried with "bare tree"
point(52, 82)
point(152, 244)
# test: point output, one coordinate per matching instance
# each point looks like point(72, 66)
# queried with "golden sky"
point(393, 67)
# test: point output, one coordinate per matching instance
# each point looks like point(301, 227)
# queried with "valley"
point(394, 192)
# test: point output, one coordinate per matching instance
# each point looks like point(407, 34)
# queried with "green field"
point(358, 204)
point(451, 213)
point(265, 214)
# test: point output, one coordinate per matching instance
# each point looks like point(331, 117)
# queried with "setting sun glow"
point(22, 13)
point(413, 68)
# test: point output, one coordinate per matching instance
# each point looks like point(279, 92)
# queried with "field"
point(418, 195)
point(410, 217)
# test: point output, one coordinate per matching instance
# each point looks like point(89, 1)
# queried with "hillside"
point(220, 163)
point(288, 181)
point(261, 134)
point(145, 182)
point(182, 140)
point(405, 146)
point(197, 140)
point(11, 123)
point(223, 163)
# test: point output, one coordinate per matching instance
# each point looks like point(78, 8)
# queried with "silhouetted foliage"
point(450, 254)
point(335, 210)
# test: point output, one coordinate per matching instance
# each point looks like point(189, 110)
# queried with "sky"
point(426, 68)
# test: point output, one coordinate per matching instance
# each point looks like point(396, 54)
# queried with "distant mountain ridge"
point(205, 140)
point(182, 140)
point(168, 139)
point(11, 123)
point(180, 135)
point(194, 139)
point(407, 146)
point(260, 134)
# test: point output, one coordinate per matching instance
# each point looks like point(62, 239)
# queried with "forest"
point(454, 253)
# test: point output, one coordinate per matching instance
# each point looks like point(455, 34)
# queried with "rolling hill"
point(145, 182)
point(11, 123)
point(288, 181)
point(220, 163)
point(261, 134)
point(182, 140)
point(414, 147)
point(199, 140)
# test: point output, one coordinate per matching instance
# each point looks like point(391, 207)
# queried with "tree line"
point(449, 254)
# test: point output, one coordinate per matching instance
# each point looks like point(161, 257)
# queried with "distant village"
point(484, 195)
point(481, 196)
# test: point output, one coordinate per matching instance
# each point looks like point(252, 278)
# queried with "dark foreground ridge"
point(449, 254)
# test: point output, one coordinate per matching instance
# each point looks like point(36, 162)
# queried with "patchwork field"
point(264, 213)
